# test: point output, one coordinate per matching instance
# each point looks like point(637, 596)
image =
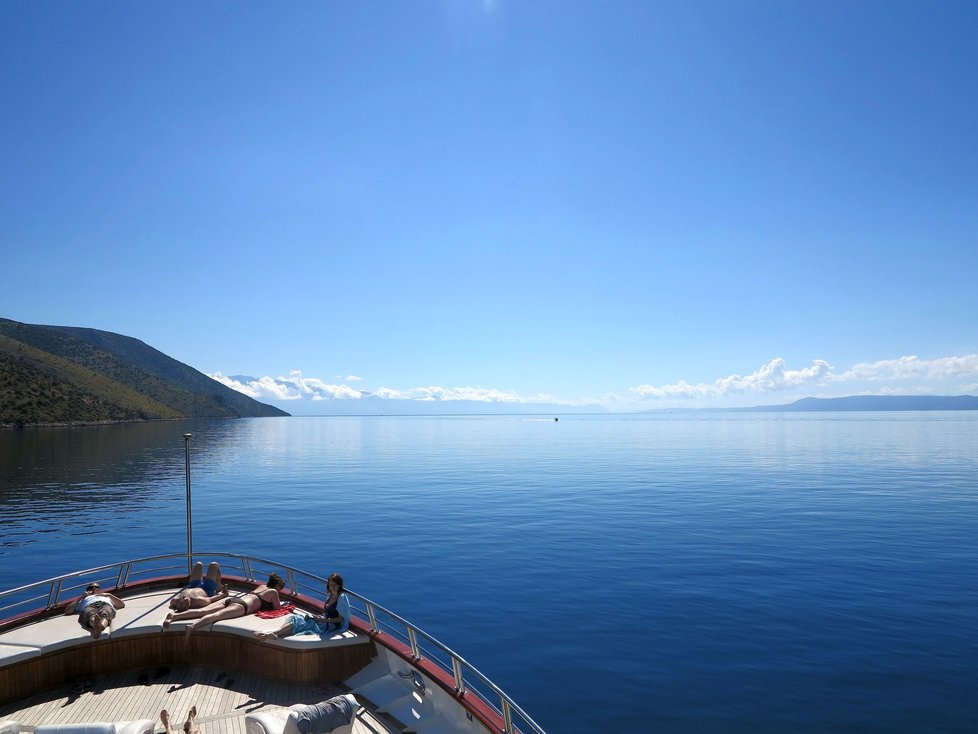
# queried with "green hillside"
point(52, 374)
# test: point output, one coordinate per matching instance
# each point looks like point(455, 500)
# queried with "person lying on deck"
point(95, 609)
point(189, 726)
point(200, 590)
point(262, 598)
point(335, 616)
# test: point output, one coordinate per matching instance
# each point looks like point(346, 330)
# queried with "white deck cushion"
point(282, 721)
point(141, 726)
point(270, 722)
point(250, 623)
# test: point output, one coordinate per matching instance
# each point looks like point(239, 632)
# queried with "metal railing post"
point(507, 717)
point(190, 536)
point(459, 678)
point(413, 639)
point(54, 594)
point(291, 579)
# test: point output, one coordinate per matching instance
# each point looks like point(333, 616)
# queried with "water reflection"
point(739, 554)
point(82, 492)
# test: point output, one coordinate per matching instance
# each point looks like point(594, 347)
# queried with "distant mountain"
point(872, 402)
point(64, 374)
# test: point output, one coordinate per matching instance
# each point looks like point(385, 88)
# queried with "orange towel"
point(280, 612)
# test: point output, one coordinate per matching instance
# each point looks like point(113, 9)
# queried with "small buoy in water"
point(556, 419)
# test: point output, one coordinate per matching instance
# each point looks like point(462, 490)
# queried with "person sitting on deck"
point(95, 609)
point(189, 726)
point(200, 590)
point(334, 619)
point(262, 598)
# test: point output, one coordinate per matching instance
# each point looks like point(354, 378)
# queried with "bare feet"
point(165, 718)
point(190, 725)
point(167, 622)
point(98, 626)
point(264, 635)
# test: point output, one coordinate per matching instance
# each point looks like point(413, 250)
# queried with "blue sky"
point(636, 204)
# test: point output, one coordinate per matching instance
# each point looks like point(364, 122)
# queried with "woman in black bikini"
point(263, 598)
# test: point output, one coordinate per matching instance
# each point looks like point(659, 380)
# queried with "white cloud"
point(900, 390)
point(479, 394)
point(912, 368)
point(260, 388)
point(907, 375)
point(297, 386)
point(681, 389)
point(475, 394)
point(775, 376)
point(389, 394)
point(293, 387)
point(771, 377)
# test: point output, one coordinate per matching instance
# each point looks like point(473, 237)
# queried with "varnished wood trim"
point(218, 649)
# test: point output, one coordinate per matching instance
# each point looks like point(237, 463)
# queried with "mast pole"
point(190, 541)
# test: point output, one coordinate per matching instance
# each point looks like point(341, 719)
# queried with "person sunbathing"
point(335, 616)
point(200, 590)
point(262, 598)
point(189, 726)
point(95, 609)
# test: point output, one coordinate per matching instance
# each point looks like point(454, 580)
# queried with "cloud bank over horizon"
point(775, 377)
point(900, 376)
point(296, 386)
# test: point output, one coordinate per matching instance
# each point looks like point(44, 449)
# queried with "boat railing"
point(468, 680)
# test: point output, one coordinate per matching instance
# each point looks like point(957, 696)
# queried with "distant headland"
point(860, 403)
point(65, 375)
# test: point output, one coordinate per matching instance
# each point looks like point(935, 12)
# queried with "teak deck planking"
point(222, 699)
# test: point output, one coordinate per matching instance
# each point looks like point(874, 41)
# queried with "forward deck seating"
point(250, 623)
point(55, 649)
point(140, 726)
point(306, 719)
point(142, 615)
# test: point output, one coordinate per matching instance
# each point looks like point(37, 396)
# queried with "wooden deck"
point(222, 699)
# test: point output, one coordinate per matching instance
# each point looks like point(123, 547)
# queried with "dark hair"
point(336, 579)
point(92, 587)
point(275, 581)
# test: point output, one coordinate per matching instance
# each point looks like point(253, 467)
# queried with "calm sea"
point(695, 573)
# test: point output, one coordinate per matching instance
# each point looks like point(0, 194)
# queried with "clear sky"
point(639, 204)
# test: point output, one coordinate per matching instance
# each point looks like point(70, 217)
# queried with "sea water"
point(699, 572)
